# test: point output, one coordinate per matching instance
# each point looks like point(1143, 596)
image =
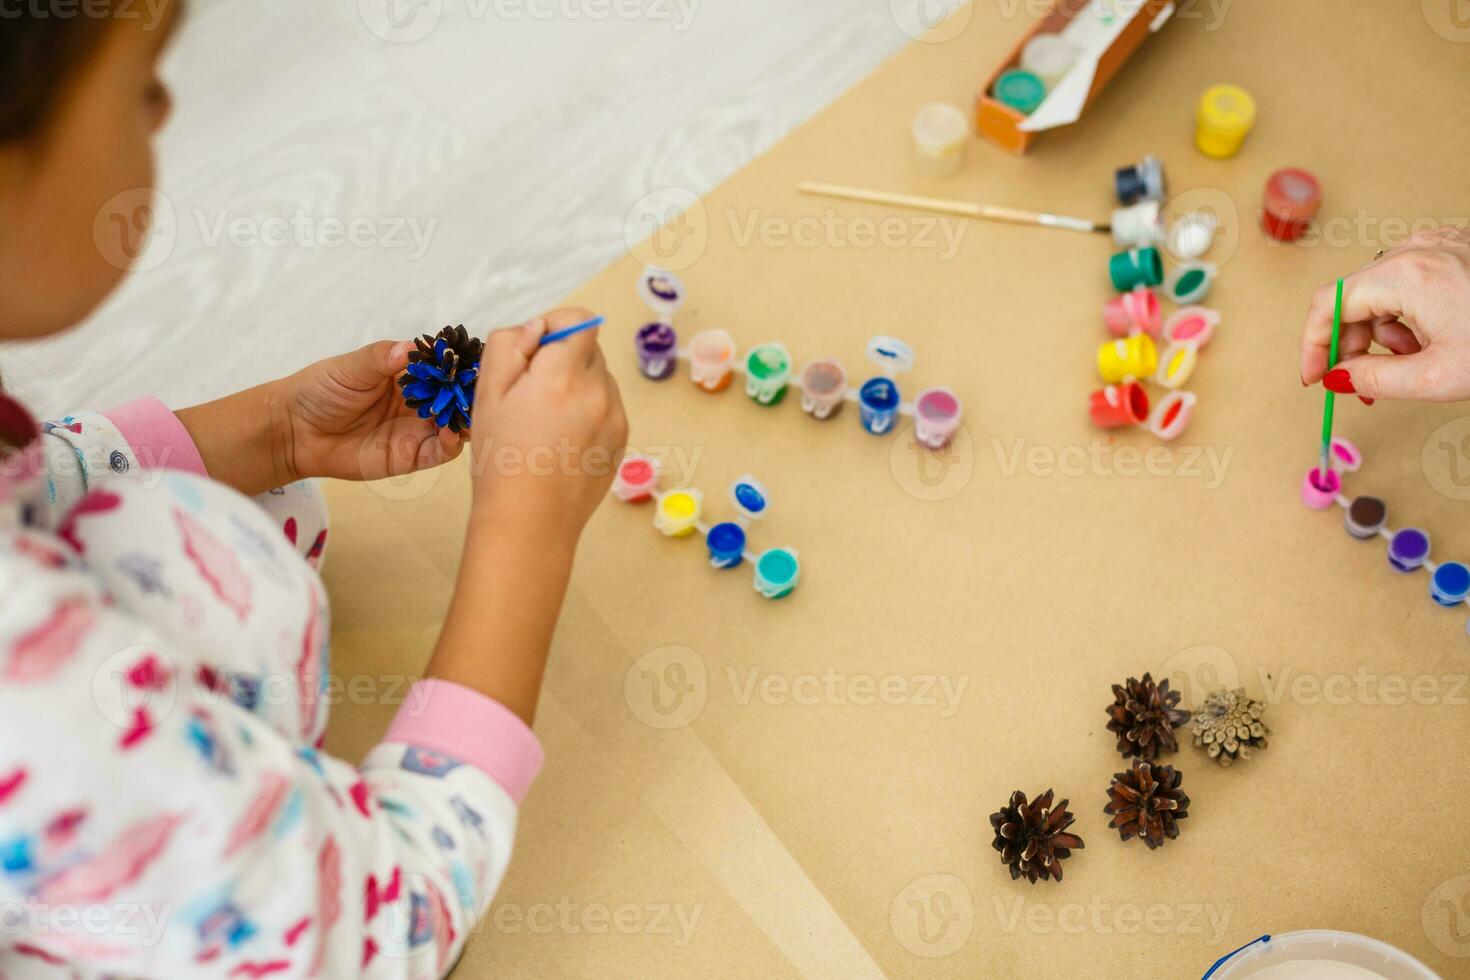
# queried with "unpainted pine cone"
point(1143, 716)
point(1228, 725)
point(1146, 802)
point(1032, 837)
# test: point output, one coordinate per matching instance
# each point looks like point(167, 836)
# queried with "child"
point(165, 810)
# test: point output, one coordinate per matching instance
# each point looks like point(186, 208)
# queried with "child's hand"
point(549, 427)
point(348, 420)
point(1415, 301)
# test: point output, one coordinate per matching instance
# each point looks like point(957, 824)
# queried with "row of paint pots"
point(1367, 517)
point(1122, 362)
point(677, 514)
point(769, 372)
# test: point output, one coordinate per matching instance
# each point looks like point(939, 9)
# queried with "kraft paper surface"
point(738, 787)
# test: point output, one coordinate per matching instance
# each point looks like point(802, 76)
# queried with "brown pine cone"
point(439, 381)
point(1031, 837)
point(1147, 801)
point(1143, 717)
point(1228, 725)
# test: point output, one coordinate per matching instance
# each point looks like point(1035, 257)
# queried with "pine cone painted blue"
point(440, 381)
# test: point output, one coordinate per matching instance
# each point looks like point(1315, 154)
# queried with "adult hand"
point(1415, 302)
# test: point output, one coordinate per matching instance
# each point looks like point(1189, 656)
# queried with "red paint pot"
point(1291, 201)
point(1118, 405)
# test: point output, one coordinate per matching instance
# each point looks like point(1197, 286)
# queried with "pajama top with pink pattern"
point(165, 809)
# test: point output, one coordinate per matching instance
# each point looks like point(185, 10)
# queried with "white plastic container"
point(1322, 955)
point(939, 134)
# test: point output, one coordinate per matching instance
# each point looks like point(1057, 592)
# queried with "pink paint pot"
point(823, 388)
point(1137, 309)
point(1319, 492)
point(1191, 325)
point(937, 414)
point(636, 479)
point(1345, 457)
point(1118, 405)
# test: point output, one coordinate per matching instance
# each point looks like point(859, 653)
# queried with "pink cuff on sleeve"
point(156, 436)
point(452, 720)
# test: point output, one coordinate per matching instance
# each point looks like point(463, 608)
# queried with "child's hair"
point(40, 50)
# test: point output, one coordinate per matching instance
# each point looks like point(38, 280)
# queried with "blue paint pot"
point(726, 545)
point(1450, 584)
point(878, 403)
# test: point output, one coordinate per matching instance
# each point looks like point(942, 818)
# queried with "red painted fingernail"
point(1365, 401)
point(1339, 381)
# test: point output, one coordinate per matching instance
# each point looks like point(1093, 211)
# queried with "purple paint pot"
point(658, 347)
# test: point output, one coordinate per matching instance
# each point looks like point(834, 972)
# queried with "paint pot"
point(1365, 517)
point(939, 133)
point(1193, 325)
point(1137, 309)
point(1408, 549)
point(1290, 202)
point(1176, 365)
point(1021, 90)
point(1136, 267)
point(1171, 415)
point(636, 479)
point(1226, 115)
point(1117, 406)
point(879, 403)
point(1138, 226)
point(1190, 282)
point(1143, 181)
point(1049, 57)
point(1450, 583)
point(658, 353)
point(749, 498)
point(662, 291)
point(677, 514)
point(767, 371)
point(711, 359)
point(823, 388)
point(726, 543)
point(776, 573)
point(1345, 455)
point(1191, 235)
point(1318, 491)
point(936, 417)
point(892, 355)
point(1124, 360)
